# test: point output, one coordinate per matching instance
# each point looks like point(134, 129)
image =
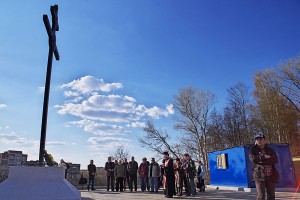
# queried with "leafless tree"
point(157, 140)
point(286, 81)
point(193, 107)
point(217, 138)
point(274, 114)
point(236, 115)
point(120, 153)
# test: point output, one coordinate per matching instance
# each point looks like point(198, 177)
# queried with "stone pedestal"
point(37, 183)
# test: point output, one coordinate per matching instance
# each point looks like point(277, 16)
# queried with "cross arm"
point(52, 37)
point(47, 25)
point(54, 12)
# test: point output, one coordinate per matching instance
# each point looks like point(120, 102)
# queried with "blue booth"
point(232, 167)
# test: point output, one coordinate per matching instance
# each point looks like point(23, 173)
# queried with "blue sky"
point(123, 61)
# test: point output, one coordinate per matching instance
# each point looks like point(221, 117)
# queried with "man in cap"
point(263, 160)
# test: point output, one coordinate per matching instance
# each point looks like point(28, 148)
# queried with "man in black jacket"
point(92, 172)
point(263, 159)
point(109, 168)
point(126, 179)
point(190, 173)
point(132, 172)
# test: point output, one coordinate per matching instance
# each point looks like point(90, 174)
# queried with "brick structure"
point(12, 158)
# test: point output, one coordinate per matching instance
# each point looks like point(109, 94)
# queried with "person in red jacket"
point(143, 172)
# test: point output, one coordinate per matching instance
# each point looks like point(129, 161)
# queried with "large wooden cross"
point(52, 50)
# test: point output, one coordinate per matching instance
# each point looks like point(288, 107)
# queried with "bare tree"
point(217, 138)
point(193, 107)
point(120, 153)
point(285, 81)
point(157, 141)
point(274, 114)
point(236, 115)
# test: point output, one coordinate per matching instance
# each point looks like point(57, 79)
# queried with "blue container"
point(237, 172)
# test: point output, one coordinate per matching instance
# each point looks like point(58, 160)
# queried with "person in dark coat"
point(190, 173)
point(198, 177)
point(185, 181)
point(147, 177)
point(126, 179)
point(109, 168)
point(92, 172)
point(169, 176)
point(263, 160)
point(201, 175)
point(132, 173)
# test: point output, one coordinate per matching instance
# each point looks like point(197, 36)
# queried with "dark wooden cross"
point(52, 50)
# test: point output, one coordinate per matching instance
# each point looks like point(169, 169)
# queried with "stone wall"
point(100, 178)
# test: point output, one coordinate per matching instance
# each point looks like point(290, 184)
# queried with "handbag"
point(82, 181)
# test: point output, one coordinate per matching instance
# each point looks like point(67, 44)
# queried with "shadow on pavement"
point(208, 195)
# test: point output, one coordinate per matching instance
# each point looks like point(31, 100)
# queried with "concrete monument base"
point(37, 183)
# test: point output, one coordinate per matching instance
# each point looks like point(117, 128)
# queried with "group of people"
point(121, 173)
point(172, 175)
point(181, 173)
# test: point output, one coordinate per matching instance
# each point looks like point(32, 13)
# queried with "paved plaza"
point(209, 194)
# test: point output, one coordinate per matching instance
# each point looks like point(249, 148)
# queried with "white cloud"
point(112, 108)
point(136, 124)
point(14, 140)
point(106, 115)
point(41, 89)
point(156, 112)
point(71, 94)
point(58, 143)
point(101, 140)
point(170, 109)
point(105, 144)
point(88, 84)
point(100, 128)
point(2, 106)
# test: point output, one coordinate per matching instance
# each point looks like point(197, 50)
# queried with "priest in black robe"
point(169, 176)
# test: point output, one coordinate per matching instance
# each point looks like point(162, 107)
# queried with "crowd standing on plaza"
point(174, 176)
point(171, 175)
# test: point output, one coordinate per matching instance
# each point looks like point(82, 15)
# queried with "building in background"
point(12, 158)
point(74, 168)
point(233, 168)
